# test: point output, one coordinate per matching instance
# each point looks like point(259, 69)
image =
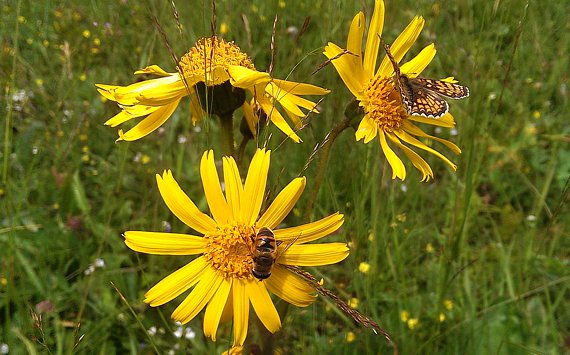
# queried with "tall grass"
point(474, 262)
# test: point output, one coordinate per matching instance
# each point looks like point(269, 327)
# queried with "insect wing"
point(447, 89)
point(427, 104)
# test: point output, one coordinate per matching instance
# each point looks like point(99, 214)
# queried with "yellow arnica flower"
point(211, 61)
point(221, 276)
point(384, 114)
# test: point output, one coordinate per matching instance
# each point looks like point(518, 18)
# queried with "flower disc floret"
point(383, 104)
point(228, 250)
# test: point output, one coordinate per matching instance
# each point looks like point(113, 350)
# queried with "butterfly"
point(423, 97)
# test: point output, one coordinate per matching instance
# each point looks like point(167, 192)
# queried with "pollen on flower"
point(228, 250)
point(213, 52)
point(383, 104)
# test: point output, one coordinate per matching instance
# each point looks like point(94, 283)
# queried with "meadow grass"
point(474, 262)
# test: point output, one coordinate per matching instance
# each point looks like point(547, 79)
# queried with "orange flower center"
point(228, 250)
point(211, 53)
point(383, 104)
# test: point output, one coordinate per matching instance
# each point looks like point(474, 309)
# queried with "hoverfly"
point(264, 252)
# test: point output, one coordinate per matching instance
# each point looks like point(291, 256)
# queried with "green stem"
point(227, 133)
point(322, 163)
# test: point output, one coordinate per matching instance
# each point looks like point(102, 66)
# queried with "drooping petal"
point(446, 120)
point(416, 66)
point(245, 78)
point(199, 297)
point(151, 122)
point(290, 287)
point(254, 189)
point(311, 231)
point(176, 283)
point(164, 243)
point(130, 112)
point(263, 305)
point(241, 311)
point(283, 203)
point(300, 88)
point(367, 129)
point(398, 168)
point(419, 162)
point(276, 117)
point(415, 142)
point(413, 129)
point(181, 205)
point(155, 70)
point(401, 46)
point(214, 195)
point(234, 187)
point(314, 254)
point(215, 308)
point(373, 39)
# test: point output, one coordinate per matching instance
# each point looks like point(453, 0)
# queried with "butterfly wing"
point(427, 103)
point(447, 89)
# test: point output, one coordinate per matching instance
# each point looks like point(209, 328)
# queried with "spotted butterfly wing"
point(445, 88)
point(426, 103)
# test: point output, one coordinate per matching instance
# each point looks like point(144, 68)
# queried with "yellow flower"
point(448, 304)
point(364, 267)
point(222, 275)
point(413, 323)
point(350, 337)
point(213, 62)
point(384, 114)
point(441, 317)
point(404, 315)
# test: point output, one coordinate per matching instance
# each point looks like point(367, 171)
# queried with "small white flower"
point(182, 139)
point(453, 131)
point(99, 262)
point(178, 332)
point(531, 218)
point(90, 269)
point(189, 334)
point(152, 330)
point(35, 150)
point(4, 348)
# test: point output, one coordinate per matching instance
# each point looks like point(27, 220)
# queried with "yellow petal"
point(311, 231)
point(151, 122)
point(215, 307)
point(401, 46)
point(129, 113)
point(164, 243)
point(290, 287)
point(214, 195)
point(367, 129)
point(245, 78)
point(419, 162)
point(348, 67)
point(199, 297)
point(254, 189)
point(181, 205)
point(276, 117)
point(263, 305)
point(314, 254)
point(416, 66)
point(373, 39)
point(233, 186)
point(154, 69)
point(282, 204)
point(446, 120)
point(300, 88)
point(176, 283)
point(415, 142)
point(241, 311)
point(250, 117)
point(413, 129)
point(398, 168)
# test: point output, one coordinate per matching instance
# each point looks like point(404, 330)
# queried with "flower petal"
point(263, 305)
point(215, 308)
point(446, 120)
point(154, 69)
point(254, 189)
point(398, 168)
point(367, 129)
point(401, 46)
point(181, 205)
point(314, 254)
point(234, 187)
point(311, 231)
point(419, 162)
point(416, 66)
point(290, 287)
point(241, 311)
point(413, 129)
point(299, 88)
point(214, 195)
point(176, 283)
point(276, 117)
point(403, 135)
point(373, 39)
point(209, 283)
point(282, 204)
point(150, 123)
point(164, 243)
point(245, 78)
